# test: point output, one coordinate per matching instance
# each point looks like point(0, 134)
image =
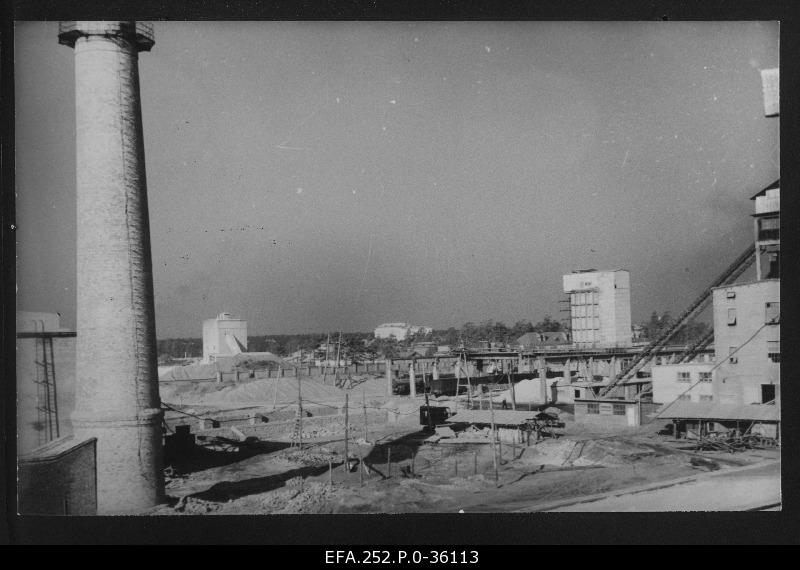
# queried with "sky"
point(325, 176)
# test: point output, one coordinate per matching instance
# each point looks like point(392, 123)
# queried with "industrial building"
point(600, 307)
point(745, 384)
point(689, 381)
point(224, 335)
point(400, 331)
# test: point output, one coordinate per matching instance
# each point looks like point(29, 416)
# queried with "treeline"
point(687, 334)
point(363, 345)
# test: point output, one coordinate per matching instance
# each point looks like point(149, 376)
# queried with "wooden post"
point(330, 473)
point(511, 389)
point(346, 431)
point(389, 377)
point(475, 464)
point(360, 468)
point(494, 443)
point(364, 406)
point(338, 352)
point(275, 396)
point(500, 448)
point(300, 412)
point(412, 381)
point(388, 461)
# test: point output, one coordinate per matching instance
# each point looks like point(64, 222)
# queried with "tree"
point(547, 325)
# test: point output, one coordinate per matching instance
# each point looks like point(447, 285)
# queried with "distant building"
point(540, 340)
point(400, 331)
point(224, 335)
point(600, 307)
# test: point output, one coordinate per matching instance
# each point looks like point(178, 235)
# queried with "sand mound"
point(261, 392)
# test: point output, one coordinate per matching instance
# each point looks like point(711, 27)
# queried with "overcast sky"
point(317, 176)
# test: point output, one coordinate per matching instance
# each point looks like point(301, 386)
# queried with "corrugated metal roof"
point(501, 417)
point(710, 411)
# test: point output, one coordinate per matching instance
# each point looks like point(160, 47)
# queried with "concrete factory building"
point(600, 307)
point(750, 371)
point(224, 335)
point(400, 331)
point(747, 329)
point(688, 381)
point(745, 386)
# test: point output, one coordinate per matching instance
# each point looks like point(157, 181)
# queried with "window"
point(706, 398)
point(705, 377)
point(732, 359)
point(774, 350)
point(593, 408)
point(619, 409)
point(773, 313)
point(767, 393)
point(577, 393)
point(769, 228)
point(684, 397)
point(730, 294)
point(684, 377)
point(731, 316)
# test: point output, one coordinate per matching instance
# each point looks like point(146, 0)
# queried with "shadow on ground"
point(224, 452)
point(231, 490)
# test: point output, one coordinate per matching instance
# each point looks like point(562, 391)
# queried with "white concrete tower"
point(117, 398)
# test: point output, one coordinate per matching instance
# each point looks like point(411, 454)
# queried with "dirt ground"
point(397, 471)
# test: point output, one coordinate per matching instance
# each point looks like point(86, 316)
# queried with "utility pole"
point(364, 406)
point(346, 431)
point(494, 443)
point(299, 415)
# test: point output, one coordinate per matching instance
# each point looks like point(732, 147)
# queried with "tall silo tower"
point(117, 397)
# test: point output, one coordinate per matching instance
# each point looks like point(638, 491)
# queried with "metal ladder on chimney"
point(46, 396)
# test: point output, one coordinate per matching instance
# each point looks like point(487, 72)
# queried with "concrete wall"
point(667, 387)
point(740, 382)
point(283, 429)
point(59, 479)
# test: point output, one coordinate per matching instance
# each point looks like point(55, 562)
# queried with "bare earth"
point(272, 477)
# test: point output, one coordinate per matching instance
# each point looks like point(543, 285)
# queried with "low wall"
point(59, 478)
point(284, 429)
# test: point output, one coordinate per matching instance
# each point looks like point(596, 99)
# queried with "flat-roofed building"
point(600, 307)
point(224, 335)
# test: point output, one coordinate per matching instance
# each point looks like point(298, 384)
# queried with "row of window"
point(588, 298)
point(703, 397)
point(772, 314)
point(594, 408)
point(687, 377)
